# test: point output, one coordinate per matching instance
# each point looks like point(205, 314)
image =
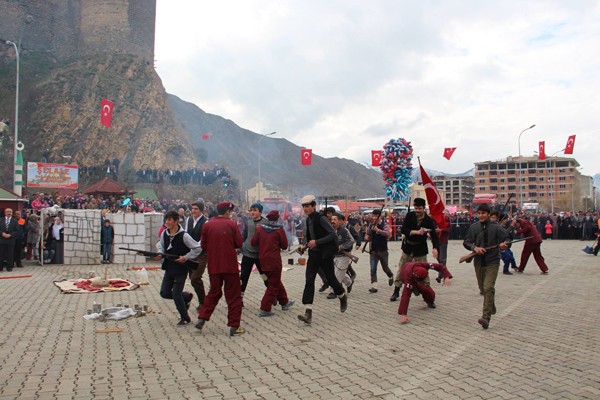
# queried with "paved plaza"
point(544, 343)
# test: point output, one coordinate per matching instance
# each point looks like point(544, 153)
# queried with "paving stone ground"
point(544, 343)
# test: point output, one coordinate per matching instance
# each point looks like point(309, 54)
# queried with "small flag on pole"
point(306, 156)
point(448, 151)
point(376, 157)
point(570, 145)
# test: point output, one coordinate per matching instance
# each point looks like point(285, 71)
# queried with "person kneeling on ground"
point(414, 275)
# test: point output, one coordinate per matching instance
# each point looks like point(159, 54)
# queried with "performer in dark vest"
point(378, 234)
point(416, 228)
point(174, 240)
point(196, 269)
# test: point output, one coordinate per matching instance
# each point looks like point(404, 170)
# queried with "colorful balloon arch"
point(397, 168)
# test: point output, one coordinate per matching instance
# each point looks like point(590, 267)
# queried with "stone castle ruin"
point(75, 28)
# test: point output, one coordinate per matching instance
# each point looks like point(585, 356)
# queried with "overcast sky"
point(343, 77)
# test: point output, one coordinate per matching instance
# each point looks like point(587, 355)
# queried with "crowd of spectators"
point(579, 225)
point(111, 169)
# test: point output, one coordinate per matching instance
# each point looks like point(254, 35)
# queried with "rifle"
point(370, 233)
point(350, 256)
point(154, 254)
point(300, 250)
point(504, 208)
point(469, 257)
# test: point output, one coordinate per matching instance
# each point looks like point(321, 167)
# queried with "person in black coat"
point(8, 233)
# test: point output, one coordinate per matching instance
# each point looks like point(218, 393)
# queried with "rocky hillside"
point(235, 147)
point(60, 114)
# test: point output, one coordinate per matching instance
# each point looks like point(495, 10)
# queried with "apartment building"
point(555, 183)
point(458, 190)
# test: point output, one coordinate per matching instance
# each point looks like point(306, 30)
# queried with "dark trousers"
point(196, 272)
point(534, 248)
point(18, 256)
point(246, 269)
point(7, 252)
point(172, 288)
point(230, 283)
point(379, 256)
point(106, 251)
point(275, 290)
point(316, 260)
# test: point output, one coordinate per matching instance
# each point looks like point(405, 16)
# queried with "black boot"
point(396, 294)
point(306, 317)
point(344, 302)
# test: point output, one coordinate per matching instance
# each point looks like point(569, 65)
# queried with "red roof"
point(105, 185)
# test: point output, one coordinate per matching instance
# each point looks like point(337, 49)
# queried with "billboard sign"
point(52, 176)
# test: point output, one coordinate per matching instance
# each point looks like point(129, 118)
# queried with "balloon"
point(397, 168)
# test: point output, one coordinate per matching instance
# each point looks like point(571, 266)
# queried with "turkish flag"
point(436, 204)
point(106, 113)
point(306, 156)
point(448, 151)
point(206, 136)
point(570, 145)
point(542, 152)
point(376, 157)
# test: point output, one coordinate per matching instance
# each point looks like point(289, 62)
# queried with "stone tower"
point(74, 28)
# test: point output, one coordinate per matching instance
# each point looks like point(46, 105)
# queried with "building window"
point(493, 180)
point(562, 178)
point(562, 186)
point(493, 188)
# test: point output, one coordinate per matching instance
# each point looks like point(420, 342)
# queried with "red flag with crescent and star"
point(542, 152)
point(376, 157)
point(448, 151)
point(570, 145)
point(436, 204)
point(106, 113)
point(306, 156)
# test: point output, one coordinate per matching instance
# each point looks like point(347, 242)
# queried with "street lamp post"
point(519, 161)
point(18, 146)
point(526, 129)
point(262, 136)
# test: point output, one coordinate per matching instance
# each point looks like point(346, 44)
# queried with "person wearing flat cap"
point(270, 238)
point(322, 243)
point(220, 238)
point(414, 275)
point(486, 238)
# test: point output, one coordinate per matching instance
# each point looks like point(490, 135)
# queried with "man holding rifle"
point(174, 241)
point(486, 239)
point(378, 233)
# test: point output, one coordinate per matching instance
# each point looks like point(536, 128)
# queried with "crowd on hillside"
point(111, 169)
